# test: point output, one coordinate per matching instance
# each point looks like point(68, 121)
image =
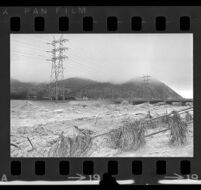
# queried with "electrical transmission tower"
point(56, 88)
point(146, 79)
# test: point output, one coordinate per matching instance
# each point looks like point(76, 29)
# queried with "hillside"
point(75, 84)
point(155, 89)
point(78, 87)
point(20, 90)
point(133, 89)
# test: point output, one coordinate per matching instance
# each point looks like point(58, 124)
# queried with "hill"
point(133, 89)
point(79, 87)
point(21, 90)
point(74, 84)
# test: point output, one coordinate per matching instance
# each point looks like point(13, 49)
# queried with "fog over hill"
point(79, 87)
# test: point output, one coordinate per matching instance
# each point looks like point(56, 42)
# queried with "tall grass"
point(76, 146)
point(130, 136)
point(178, 129)
point(188, 117)
point(150, 124)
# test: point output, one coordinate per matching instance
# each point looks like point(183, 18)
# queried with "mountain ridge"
point(83, 87)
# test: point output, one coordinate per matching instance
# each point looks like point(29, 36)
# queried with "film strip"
point(95, 90)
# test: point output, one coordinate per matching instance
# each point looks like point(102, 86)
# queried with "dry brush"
point(130, 136)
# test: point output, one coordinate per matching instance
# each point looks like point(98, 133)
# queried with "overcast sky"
point(108, 57)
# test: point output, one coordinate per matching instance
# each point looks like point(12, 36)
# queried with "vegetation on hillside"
point(77, 87)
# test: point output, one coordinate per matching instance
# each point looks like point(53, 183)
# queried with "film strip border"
point(112, 21)
point(89, 170)
point(101, 19)
point(88, 167)
point(112, 24)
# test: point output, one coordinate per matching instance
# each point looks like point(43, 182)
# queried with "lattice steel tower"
point(56, 85)
point(146, 79)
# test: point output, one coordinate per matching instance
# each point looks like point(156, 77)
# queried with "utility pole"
point(57, 68)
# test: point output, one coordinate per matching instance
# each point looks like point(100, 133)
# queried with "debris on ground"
point(76, 146)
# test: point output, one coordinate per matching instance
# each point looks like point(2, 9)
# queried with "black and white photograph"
point(101, 95)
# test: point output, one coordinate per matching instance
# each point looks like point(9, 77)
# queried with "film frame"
point(81, 20)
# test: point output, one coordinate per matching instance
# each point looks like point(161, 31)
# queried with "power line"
point(26, 45)
point(91, 67)
point(77, 66)
point(26, 54)
point(32, 43)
